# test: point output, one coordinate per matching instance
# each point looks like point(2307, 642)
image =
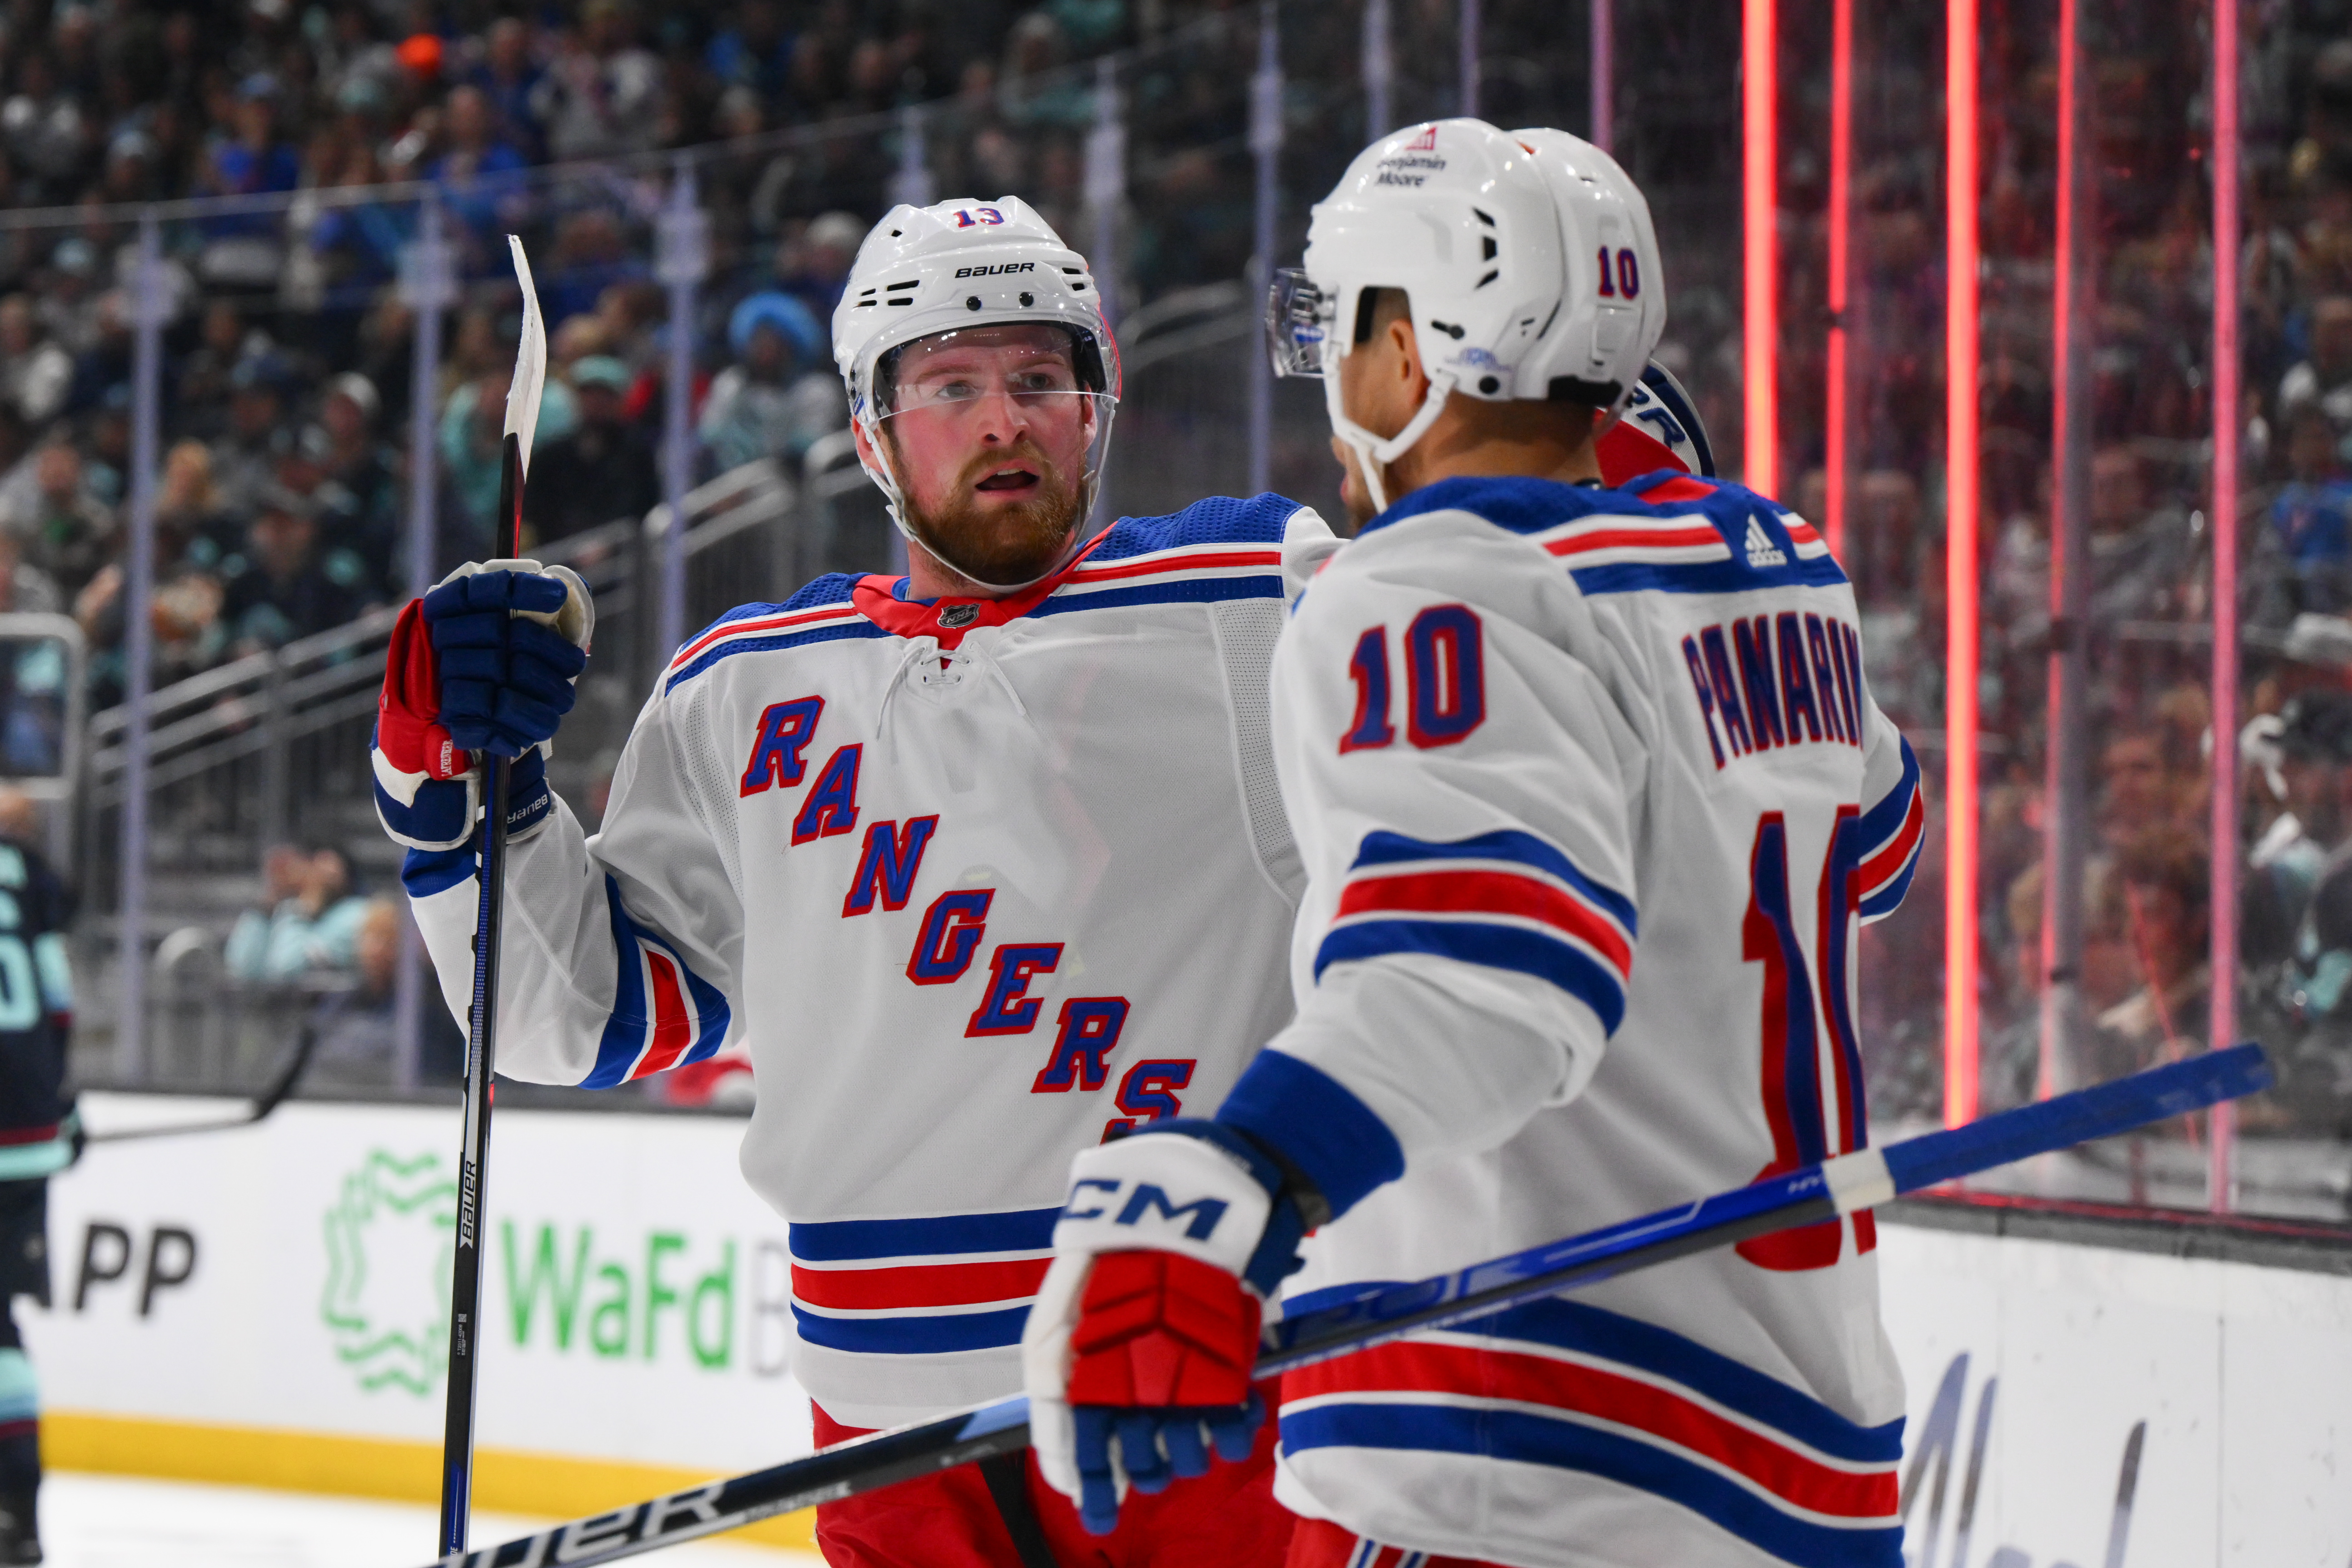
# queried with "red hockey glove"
point(1139, 1350)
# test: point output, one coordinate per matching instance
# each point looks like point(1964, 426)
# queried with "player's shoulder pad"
point(1217, 520)
point(1524, 505)
point(732, 632)
point(832, 588)
point(1669, 531)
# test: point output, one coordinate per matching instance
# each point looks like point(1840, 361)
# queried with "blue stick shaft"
point(1779, 1203)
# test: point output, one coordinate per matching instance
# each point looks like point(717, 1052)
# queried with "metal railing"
point(272, 748)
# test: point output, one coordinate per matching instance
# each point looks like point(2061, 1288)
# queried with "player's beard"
point(1018, 542)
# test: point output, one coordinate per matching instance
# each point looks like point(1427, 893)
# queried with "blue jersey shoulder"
point(1755, 529)
point(1530, 506)
point(832, 588)
point(1218, 520)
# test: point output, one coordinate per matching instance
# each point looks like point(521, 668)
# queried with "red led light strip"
point(1760, 252)
point(1960, 349)
point(1833, 519)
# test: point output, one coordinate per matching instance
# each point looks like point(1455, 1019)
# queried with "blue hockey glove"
point(509, 639)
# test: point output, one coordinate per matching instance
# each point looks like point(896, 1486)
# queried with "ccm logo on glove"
point(1148, 1199)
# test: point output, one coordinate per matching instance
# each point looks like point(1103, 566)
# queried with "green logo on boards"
point(391, 1238)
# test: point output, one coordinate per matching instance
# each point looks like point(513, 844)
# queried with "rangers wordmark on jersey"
point(975, 882)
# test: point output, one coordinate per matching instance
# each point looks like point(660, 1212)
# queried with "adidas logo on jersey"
point(1761, 551)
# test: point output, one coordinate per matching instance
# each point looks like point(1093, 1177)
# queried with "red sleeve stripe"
point(1697, 538)
point(674, 1022)
point(916, 1286)
point(1884, 864)
point(1487, 894)
point(1785, 1474)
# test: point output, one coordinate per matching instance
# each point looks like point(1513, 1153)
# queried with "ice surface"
point(123, 1522)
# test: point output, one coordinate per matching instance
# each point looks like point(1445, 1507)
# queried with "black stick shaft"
point(474, 1157)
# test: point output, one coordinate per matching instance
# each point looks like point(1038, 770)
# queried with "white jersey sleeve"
point(1482, 790)
point(619, 951)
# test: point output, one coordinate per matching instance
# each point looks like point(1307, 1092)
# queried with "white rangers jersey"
point(973, 881)
point(1592, 794)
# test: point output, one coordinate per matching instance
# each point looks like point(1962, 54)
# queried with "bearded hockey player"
point(983, 863)
point(1592, 794)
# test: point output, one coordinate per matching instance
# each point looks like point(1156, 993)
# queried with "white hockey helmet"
point(1615, 307)
point(951, 266)
point(1456, 214)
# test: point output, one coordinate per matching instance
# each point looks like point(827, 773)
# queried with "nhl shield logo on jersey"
point(955, 617)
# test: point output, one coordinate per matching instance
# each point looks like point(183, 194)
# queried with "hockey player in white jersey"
point(981, 863)
point(1592, 796)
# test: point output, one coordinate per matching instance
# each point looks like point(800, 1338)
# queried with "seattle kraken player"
point(1591, 796)
point(40, 1134)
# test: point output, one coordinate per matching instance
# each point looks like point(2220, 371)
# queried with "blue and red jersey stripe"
point(1505, 900)
point(1890, 834)
point(1579, 1388)
point(663, 1015)
point(919, 1286)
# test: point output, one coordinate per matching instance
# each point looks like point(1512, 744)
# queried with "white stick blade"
point(531, 359)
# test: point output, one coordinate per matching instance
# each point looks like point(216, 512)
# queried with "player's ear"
point(1407, 349)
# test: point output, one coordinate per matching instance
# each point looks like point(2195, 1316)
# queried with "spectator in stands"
point(2299, 762)
point(814, 263)
point(602, 471)
point(507, 78)
point(754, 52)
point(2312, 517)
point(252, 159)
point(2163, 876)
point(188, 504)
point(773, 401)
point(35, 373)
point(185, 615)
point(245, 460)
point(24, 590)
point(312, 917)
point(589, 256)
point(2141, 553)
point(358, 1029)
point(2137, 793)
point(280, 589)
point(477, 177)
point(68, 306)
point(471, 443)
point(201, 389)
point(64, 530)
point(599, 95)
point(2325, 377)
point(46, 134)
point(362, 490)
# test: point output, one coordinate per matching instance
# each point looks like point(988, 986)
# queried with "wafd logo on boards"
point(391, 1240)
point(663, 1295)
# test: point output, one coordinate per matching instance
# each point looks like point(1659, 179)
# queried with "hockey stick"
point(474, 1157)
point(1808, 1195)
point(273, 1094)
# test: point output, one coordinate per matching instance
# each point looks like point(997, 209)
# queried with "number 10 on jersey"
point(1801, 1000)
